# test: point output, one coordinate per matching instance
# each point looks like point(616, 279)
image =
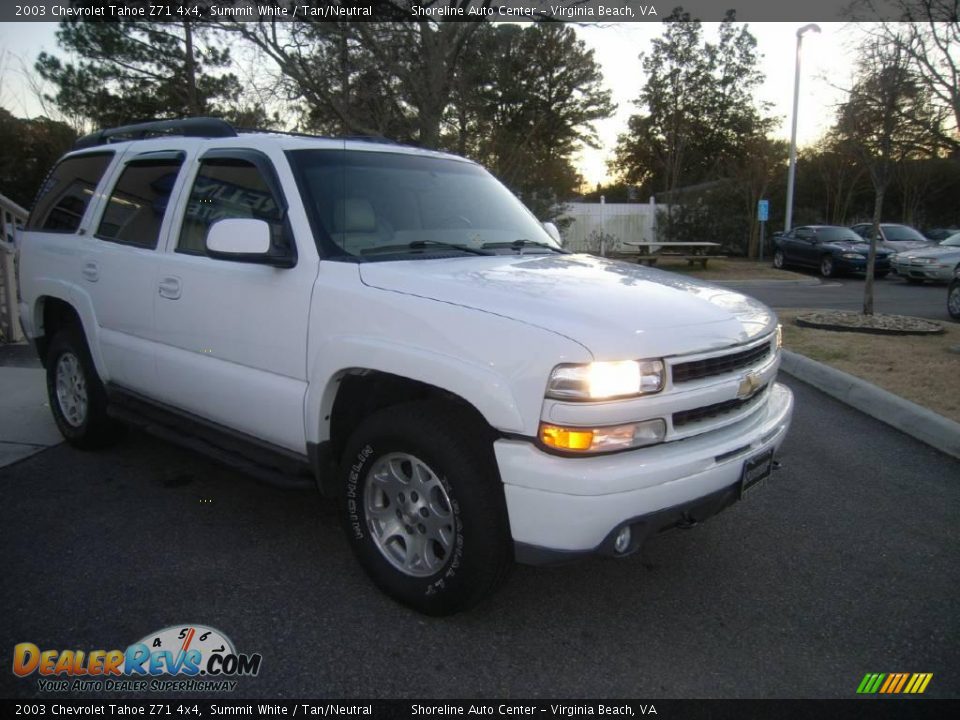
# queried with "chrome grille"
point(709, 412)
point(699, 369)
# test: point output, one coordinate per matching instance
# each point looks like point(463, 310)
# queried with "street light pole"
point(788, 219)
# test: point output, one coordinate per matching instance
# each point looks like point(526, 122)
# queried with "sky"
point(827, 66)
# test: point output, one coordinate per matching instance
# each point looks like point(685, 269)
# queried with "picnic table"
point(692, 252)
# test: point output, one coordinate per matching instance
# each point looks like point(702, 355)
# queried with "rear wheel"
point(77, 397)
point(423, 507)
point(882, 274)
point(826, 266)
point(779, 261)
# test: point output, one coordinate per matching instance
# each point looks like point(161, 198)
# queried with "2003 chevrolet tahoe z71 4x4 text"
point(395, 322)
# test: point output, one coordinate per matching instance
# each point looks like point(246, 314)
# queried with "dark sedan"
point(830, 248)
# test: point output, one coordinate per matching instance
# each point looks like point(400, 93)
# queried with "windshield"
point(377, 205)
point(898, 233)
point(952, 241)
point(838, 234)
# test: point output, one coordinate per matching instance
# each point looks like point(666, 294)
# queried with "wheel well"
point(56, 314)
point(365, 392)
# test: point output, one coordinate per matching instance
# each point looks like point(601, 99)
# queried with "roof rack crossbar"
point(187, 127)
point(293, 133)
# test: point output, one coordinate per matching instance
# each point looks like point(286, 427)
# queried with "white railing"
point(12, 216)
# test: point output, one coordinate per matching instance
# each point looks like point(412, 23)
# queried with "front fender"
point(498, 365)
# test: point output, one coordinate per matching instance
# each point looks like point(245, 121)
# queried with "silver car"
point(937, 263)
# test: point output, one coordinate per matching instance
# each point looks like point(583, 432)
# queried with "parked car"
point(953, 297)
point(894, 237)
point(941, 234)
point(938, 263)
point(394, 325)
point(830, 248)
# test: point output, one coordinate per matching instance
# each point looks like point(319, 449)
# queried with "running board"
point(270, 464)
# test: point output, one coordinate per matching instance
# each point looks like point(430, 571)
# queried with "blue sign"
point(763, 210)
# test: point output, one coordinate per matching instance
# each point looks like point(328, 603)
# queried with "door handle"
point(91, 272)
point(170, 288)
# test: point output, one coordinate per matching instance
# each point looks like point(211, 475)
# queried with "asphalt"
point(846, 562)
point(891, 295)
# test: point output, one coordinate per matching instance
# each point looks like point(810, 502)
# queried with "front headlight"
point(606, 380)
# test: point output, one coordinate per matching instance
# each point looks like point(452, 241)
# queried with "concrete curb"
point(908, 417)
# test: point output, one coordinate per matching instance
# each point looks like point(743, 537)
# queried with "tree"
point(368, 78)
point(697, 105)
point(927, 34)
point(698, 116)
point(887, 120)
point(31, 148)
point(523, 102)
point(129, 71)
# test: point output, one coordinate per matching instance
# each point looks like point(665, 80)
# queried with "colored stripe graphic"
point(894, 683)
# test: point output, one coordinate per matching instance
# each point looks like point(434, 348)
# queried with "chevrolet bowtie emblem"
point(748, 385)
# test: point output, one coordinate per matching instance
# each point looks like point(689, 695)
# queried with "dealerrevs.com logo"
point(175, 659)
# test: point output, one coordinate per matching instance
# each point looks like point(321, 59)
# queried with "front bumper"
point(860, 266)
point(926, 272)
point(685, 479)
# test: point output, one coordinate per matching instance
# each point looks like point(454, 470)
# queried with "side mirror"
point(778, 234)
point(553, 233)
point(245, 240)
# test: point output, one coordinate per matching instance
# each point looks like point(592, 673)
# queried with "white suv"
point(395, 324)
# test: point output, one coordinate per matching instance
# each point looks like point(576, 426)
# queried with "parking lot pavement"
point(847, 562)
point(891, 295)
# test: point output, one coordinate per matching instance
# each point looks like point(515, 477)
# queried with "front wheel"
point(881, 275)
point(953, 300)
point(779, 262)
point(423, 507)
point(826, 266)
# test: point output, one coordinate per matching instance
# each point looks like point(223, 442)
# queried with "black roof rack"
point(294, 133)
point(187, 127)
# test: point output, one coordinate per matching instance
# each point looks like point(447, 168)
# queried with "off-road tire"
point(68, 358)
point(456, 449)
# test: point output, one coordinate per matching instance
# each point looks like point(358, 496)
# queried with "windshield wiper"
point(422, 244)
point(521, 243)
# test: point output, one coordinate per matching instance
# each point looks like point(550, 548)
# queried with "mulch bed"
point(878, 324)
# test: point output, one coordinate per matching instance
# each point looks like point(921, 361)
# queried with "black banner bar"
point(874, 708)
point(584, 11)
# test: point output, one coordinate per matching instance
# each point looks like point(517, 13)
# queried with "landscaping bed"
point(924, 369)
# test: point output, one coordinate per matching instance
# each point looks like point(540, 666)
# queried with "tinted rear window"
point(67, 191)
point(138, 203)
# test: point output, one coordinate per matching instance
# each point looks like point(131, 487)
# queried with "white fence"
point(610, 223)
point(11, 217)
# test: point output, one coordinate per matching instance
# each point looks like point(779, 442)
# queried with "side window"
point(139, 200)
point(226, 189)
point(64, 196)
point(804, 233)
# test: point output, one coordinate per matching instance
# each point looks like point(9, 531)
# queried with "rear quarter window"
point(65, 194)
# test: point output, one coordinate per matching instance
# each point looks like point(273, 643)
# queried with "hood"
point(932, 252)
point(859, 247)
point(615, 309)
point(899, 246)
